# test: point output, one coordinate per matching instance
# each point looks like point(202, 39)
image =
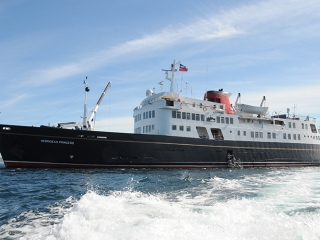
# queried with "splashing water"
point(177, 204)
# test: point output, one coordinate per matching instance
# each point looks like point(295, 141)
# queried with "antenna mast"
point(171, 79)
point(87, 89)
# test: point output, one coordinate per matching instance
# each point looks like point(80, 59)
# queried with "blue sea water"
point(160, 204)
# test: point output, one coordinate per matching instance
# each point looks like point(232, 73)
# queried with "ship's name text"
point(57, 142)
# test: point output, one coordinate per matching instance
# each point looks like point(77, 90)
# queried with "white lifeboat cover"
point(252, 109)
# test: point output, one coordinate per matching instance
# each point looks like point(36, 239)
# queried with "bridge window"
point(174, 114)
point(174, 127)
point(169, 103)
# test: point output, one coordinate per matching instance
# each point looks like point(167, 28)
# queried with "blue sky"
point(258, 48)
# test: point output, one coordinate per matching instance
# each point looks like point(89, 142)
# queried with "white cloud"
point(10, 102)
point(243, 20)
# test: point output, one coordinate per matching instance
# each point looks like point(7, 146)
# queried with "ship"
point(170, 131)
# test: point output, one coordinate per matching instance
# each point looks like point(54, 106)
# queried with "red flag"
point(183, 68)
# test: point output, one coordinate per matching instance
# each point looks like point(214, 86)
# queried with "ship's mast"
point(171, 79)
point(87, 89)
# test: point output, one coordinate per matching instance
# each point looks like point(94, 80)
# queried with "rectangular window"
point(169, 103)
point(269, 135)
point(244, 133)
point(294, 137)
point(174, 127)
point(218, 119)
point(197, 117)
point(193, 115)
point(153, 113)
point(221, 107)
point(231, 120)
point(149, 114)
point(178, 114)
point(306, 126)
point(294, 125)
point(252, 134)
point(188, 116)
point(184, 115)
point(188, 128)
point(238, 132)
point(302, 125)
point(202, 117)
point(256, 134)
point(143, 130)
point(284, 136)
point(227, 120)
point(261, 134)
point(289, 136)
point(274, 135)
point(289, 124)
point(144, 115)
point(222, 119)
point(174, 114)
point(299, 137)
point(181, 128)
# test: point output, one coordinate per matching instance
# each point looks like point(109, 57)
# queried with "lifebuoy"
point(204, 108)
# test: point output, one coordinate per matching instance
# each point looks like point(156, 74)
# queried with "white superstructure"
point(214, 118)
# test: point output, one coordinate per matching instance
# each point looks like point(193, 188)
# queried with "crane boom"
point(94, 111)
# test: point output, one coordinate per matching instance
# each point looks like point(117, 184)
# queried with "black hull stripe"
point(22, 164)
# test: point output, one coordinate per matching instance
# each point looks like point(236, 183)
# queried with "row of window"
point(145, 115)
point(181, 128)
point(200, 117)
point(187, 116)
point(145, 129)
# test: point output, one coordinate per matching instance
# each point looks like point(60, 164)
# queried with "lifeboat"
point(252, 109)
